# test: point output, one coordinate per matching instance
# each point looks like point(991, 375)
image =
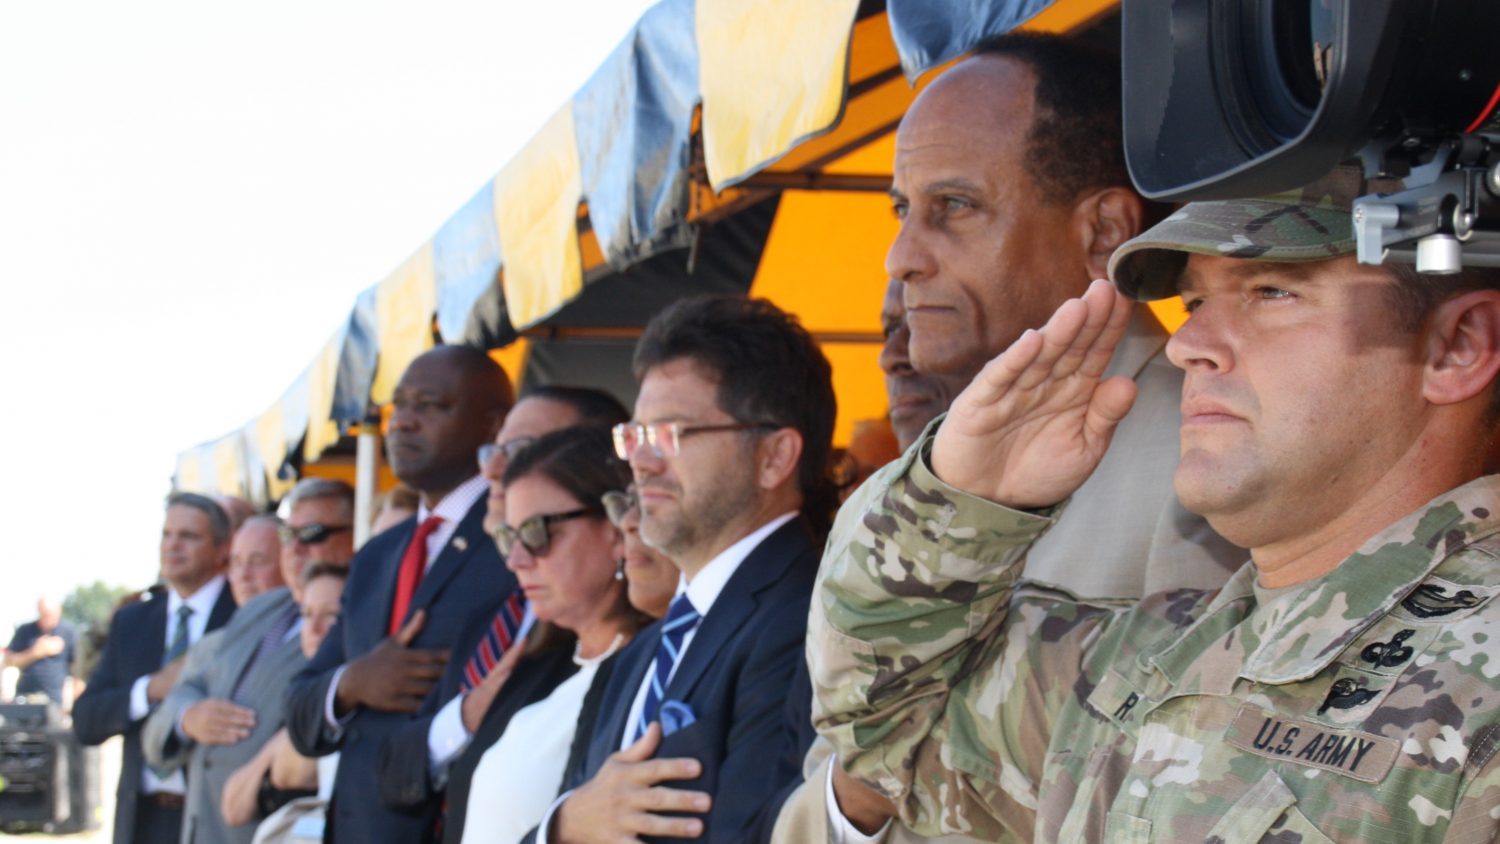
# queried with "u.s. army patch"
point(1363, 756)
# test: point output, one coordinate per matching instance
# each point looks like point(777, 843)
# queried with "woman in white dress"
point(565, 554)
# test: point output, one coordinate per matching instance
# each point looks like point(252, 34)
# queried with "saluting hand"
point(1035, 422)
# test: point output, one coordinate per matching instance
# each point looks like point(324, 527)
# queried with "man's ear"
point(779, 453)
point(1103, 220)
point(1463, 348)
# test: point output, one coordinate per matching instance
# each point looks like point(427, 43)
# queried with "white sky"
point(191, 195)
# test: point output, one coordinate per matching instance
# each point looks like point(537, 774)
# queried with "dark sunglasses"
point(617, 505)
point(309, 534)
point(536, 532)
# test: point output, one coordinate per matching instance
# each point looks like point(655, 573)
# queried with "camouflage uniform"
point(1361, 706)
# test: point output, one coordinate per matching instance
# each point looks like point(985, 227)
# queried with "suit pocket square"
point(675, 715)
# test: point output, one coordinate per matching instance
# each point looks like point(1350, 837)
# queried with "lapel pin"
point(460, 543)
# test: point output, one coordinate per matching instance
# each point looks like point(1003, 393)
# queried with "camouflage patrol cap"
point(1309, 224)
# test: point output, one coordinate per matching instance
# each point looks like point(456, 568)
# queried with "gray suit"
point(214, 667)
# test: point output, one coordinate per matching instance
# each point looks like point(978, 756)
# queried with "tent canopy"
point(723, 146)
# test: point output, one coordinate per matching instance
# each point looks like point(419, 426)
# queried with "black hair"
point(593, 406)
point(1075, 142)
point(581, 460)
point(769, 370)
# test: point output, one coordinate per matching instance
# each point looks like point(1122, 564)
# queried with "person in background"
point(650, 577)
point(255, 558)
point(278, 773)
point(143, 658)
point(236, 508)
point(319, 526)
point(229, 702)
point(393, 507)
point(43, 651)
point(542, 409)
point(914, 398)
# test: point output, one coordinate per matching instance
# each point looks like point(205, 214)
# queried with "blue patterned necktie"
point(681, 620)
point(179, 644)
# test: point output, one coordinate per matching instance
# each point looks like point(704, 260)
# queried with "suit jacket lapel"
point(764, 567)
point(223, 609)
point(463, 544)
point(625, 682)
point(156, 644)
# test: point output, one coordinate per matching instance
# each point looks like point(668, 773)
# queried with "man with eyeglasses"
point(542, 410)
point(414, 765)
point(231, 698)
point(412, 591)
point(729, 449)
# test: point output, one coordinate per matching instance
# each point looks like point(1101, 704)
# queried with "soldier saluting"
point(1341, 686)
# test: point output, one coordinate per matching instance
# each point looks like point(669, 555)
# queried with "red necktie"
point(413, 564)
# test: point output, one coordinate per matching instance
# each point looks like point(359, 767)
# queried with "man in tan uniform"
point(1012, 193)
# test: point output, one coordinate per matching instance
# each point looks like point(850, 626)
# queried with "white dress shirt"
point(453, 508)
point(202, 603)
point(702, 592)
point(446, 736)
point(840, 831)
point(519, 774)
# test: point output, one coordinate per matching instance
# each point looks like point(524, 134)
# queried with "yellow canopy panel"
point(536, 211)
point(770, 74)
point(404, 304)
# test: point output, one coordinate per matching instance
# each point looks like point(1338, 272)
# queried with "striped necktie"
point(681, 620)
point(179, 643)
point(497, 640)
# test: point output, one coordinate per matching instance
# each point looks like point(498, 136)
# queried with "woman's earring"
point(620, 570)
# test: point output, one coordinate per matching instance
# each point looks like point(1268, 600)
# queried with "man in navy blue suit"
point(412, 590)
point(143, 656)
point(729, 449)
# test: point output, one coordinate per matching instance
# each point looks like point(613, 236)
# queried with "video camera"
point(1236, 98)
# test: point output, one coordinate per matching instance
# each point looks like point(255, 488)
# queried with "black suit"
point(136, 644)
point(740, 679)
point(466, 581)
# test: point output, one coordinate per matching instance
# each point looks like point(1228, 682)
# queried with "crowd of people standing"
point(604, 624)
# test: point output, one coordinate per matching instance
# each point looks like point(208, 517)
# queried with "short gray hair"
point(308, 489)
point(218, 520)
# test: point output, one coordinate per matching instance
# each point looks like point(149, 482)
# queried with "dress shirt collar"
point(202, 602)
point(709, 582)
point(455, 505)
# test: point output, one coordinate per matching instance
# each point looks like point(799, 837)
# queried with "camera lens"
point(1283, 50)
point(1302, 32)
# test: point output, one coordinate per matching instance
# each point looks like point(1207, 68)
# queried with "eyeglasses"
point(509, 449)
point(617, 505)
point(309, 534)
point(665, 438)
point(536, 532)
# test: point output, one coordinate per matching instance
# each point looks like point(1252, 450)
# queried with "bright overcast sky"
point(191, 195)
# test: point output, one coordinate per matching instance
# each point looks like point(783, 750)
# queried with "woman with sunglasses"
point(565, 553)
point(651, 578)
